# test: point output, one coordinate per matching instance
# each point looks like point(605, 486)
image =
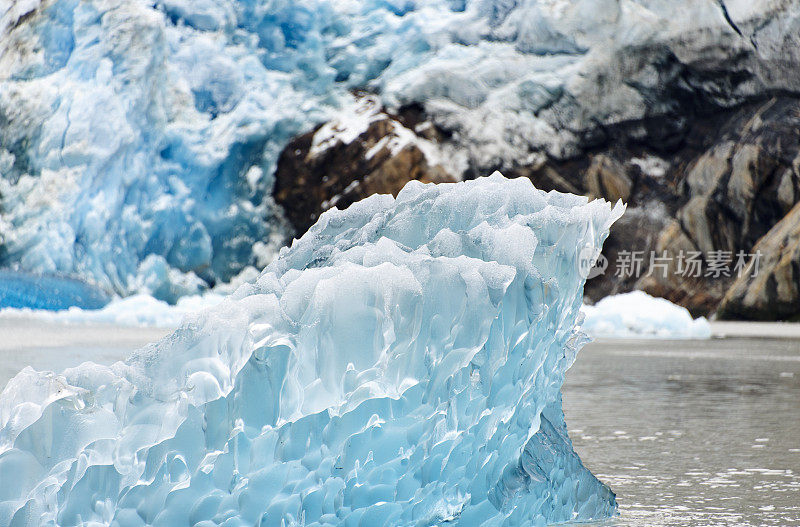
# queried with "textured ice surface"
point(400, 364)
point(138, 138)
point(639, 315)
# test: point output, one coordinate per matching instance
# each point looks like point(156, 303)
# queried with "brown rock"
point(547, 177)
point(774, 292)
point(700, 295)
point(606, 178)
point(315, 174)
point(738, 189)
point(735, 191)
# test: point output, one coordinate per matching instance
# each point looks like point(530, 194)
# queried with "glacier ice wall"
point(400, 364)
point(138, 138)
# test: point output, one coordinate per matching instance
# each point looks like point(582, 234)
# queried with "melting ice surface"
point(400, 364)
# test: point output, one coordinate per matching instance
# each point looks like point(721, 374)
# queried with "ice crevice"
point(400, 364)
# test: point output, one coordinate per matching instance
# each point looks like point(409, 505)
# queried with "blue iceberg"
point(400, 364)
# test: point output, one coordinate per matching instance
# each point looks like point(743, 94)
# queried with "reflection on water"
point(699, 433)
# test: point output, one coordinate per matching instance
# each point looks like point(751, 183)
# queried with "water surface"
point(691, 433)
point(48, 346)
point(687, 433)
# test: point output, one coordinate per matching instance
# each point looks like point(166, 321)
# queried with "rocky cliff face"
point(743, 183)
point(773, 293)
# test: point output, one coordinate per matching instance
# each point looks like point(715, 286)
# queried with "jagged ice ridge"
point(400, 364)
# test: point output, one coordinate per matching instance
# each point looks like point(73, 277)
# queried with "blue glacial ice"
point(398, 365)
point(138, 138)
point(50, 293)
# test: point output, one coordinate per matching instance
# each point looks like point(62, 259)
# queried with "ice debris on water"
point(400, 364)
point(639, 315)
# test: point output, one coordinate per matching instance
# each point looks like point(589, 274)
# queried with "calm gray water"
point(690, 434)
point(698, 433)
point(54, 346)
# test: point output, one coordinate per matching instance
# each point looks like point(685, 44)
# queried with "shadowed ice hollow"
point(400, 364)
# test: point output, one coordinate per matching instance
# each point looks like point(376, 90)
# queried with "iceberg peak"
point(400, 364)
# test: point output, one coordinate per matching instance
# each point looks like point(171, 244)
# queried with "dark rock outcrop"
point(734, 193)
point(771, 292)
point(342, 162)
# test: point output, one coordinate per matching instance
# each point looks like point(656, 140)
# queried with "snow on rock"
point(400, 364)
point(346, 125)
point(639, 315)
point(364, 150)
point(354, 120)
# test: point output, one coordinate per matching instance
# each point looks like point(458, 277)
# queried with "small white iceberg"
point(639, 315)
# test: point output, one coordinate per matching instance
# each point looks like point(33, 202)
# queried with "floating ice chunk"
point(639, 315)
point(392, 367)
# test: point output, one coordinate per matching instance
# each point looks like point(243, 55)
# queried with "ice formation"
point(32, 291)
point(639, 315)
point(138, 138)
point(400, 364)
